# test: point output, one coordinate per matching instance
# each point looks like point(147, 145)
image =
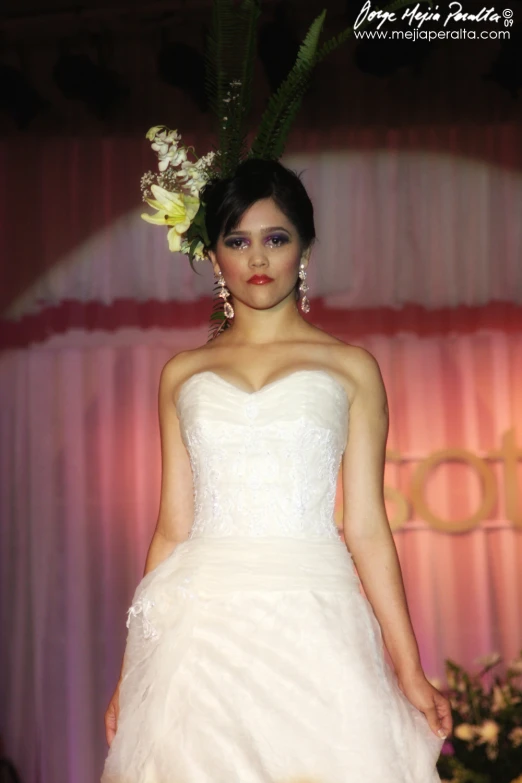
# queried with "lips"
point(259, 279)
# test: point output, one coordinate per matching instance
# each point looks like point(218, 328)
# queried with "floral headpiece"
point(174, 192)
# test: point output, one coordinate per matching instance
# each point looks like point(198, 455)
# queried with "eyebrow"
point(263, 231)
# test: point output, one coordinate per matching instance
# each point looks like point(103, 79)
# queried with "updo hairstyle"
point(226, 200)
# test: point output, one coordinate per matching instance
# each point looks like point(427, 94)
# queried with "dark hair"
point(226, 200)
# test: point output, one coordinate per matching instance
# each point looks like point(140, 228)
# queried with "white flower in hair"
point(161, 134)
point(176, 210)
point(198, 251)
point(174, 192)
point(165, 145)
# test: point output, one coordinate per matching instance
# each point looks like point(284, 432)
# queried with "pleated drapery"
point(80, 463)
point(423, 215)
point(417, 259)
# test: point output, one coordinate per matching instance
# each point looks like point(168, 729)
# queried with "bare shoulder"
point(362, 364)
point(178, 368)
point(359, 370)
point(365, 374)
point(181, 366)
point(175, 367)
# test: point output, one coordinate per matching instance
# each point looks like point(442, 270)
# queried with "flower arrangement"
point(174, 192)
point(486, 745)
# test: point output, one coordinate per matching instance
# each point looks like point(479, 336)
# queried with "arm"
point(176, 501)
point(176, 507)
point(369, 538)
point(365, 523)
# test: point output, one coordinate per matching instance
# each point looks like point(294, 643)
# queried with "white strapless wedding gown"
point(252, 655)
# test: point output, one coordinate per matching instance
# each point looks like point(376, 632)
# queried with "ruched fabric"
point(262, 663)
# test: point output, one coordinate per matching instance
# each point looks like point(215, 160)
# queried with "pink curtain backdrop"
point(416, 215)
point(94, 306)
point(80, 489)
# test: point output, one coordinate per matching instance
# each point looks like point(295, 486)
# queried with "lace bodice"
point(264, 463)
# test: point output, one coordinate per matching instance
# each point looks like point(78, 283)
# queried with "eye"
point(235, 242)
point(278, 239)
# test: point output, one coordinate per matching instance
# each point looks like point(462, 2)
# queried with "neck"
point(278, 324)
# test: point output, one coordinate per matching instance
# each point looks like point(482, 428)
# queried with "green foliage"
point(284, 104)
point(451, 769)
point(230, 56)
point(487, 724)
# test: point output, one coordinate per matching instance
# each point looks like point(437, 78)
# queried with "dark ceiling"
point(145, 58)
point(23, 10)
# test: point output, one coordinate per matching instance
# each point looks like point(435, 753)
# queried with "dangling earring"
point(224, 293)
point(303, 288)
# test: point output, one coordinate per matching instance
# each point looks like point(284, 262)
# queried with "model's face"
point(264, 245)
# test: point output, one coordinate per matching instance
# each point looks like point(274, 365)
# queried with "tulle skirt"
point(261, 661)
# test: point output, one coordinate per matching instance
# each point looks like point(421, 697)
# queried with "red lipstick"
point(259, 279)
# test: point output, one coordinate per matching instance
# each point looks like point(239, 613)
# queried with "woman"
point(252, 655)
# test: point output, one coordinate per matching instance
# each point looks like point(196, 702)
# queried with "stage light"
point(19, 97)
point(79, 78)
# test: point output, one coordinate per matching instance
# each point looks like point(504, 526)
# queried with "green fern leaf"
point(230, 57)
point(283, 106)
point(284, 103)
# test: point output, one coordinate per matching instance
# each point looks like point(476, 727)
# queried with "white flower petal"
point(174, 240)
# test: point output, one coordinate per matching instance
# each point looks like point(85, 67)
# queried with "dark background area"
point(116, 67)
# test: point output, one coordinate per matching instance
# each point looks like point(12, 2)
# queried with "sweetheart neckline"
point(268, 385)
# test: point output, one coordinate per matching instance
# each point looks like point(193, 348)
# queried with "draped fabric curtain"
point(93, 308)
point(80, 492)
point(424, 215)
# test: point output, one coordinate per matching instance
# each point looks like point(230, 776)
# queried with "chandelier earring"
point(224, 293)
point(303, 288)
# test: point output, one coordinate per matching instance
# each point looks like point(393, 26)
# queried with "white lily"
point(173, 209)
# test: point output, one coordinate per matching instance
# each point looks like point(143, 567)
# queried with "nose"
point(258, 257)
